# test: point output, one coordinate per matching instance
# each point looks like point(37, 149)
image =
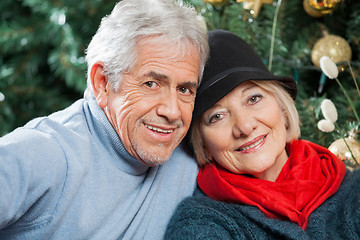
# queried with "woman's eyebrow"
point(248, 88)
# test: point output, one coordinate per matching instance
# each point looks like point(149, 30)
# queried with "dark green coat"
point(200, 217)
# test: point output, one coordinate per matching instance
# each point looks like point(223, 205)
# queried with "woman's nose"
point(243, 125)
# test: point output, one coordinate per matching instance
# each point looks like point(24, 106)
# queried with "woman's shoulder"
point(349, 190)
point(196, 202)
point(200, 201)
point(200, 217)
point(351, 179)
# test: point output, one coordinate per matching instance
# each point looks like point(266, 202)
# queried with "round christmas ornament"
point(342, 150)
point(216, 3)
point(313, 12)
point(333, 46)
point(324, 6)
point(254, 5)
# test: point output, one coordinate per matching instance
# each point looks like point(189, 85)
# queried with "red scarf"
point(310, 176)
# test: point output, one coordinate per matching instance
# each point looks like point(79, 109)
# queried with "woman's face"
point(245, 132)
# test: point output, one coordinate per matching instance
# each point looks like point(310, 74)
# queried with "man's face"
point(152, 109)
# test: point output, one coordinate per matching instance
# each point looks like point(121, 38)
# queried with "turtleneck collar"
point(112, 143)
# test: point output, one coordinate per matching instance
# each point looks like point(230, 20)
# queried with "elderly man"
point(108, 166)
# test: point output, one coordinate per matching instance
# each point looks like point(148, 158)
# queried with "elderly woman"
point(257, 180)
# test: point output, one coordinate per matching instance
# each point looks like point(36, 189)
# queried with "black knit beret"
point(232, 61)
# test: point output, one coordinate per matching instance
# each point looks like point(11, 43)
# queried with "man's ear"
point(99, 84)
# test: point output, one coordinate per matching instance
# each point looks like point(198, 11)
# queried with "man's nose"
point(169, 106)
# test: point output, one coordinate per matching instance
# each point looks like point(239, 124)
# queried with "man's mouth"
point(159, 130)
point(253, 145)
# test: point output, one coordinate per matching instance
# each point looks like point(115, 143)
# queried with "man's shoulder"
point(60, 117)
point(182, 159)
point(182, 150)
point(44, 131)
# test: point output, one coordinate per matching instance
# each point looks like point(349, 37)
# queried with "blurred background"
point(43, 69)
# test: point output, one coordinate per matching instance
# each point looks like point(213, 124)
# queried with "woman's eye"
point(254, 99)
point(215, 118)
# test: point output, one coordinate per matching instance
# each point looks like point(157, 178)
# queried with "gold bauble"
point(325, 6)
point(342, 151)
point(311, 11)
point(216, 3)
point(335, 47)
point(254, 5)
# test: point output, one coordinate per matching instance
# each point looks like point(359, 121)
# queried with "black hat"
point(232, 61)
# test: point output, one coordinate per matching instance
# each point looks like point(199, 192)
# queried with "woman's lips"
point(252, 145)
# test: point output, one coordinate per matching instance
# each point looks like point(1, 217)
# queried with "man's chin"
point(151, 153)
point(154, 156)
point(153, 161)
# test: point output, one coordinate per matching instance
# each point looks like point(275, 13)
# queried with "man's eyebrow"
point(155, 75)
point(160, 76)
point(190, 84)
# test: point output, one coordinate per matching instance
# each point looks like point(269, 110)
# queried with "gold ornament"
point(312, 11)
point(216, 3)
point(334, 47)
point(341, 150)
point(325, 6)
point(254, 5)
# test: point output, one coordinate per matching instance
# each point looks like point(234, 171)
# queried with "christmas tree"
point(42, 64)
point(42, 46)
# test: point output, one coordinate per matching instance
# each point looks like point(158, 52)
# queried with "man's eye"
point(150, 84)
point(184, 90)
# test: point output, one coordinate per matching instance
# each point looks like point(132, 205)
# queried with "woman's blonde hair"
point(286, 104)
